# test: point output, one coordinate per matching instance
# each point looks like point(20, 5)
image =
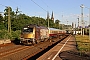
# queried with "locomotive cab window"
point(28, 30)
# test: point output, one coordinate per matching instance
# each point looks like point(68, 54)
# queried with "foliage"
point(83, 43)
point(19, 20)
point(4, 34)
point(16, 34)
point(1, 22)
point(57, 25)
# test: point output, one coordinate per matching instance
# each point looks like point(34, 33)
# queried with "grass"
point(83, 43)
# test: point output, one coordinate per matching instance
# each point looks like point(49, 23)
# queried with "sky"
point(67, 11)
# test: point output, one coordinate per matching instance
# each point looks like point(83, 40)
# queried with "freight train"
point(35, 34)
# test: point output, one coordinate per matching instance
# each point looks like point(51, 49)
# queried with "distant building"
point(52, 16)
point(67, 27)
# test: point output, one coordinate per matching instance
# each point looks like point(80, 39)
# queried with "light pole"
point(48, 18)
point(89, 21)
point(86, 27)
point(72, 27)
point(67, 23)
point(62, 24)
point(78, 24)
point(59, 24)
point(75, 28)
point(82, 28)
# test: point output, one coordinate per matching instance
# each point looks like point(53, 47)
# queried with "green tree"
point(2, 26)
point(57, 25)
point(51, 23)
point(12, 16)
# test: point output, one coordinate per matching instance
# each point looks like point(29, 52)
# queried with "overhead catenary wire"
point(46, 5)
point(38, 5)
point(33, 2)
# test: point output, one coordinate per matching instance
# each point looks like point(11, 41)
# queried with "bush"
point(4, 34)
point(16, 34)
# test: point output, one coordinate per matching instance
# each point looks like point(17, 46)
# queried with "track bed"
point(28, 52)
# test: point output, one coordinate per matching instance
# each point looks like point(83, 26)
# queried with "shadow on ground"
point(74, 55)
point(16, 41)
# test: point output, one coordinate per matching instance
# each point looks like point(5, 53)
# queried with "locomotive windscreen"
point(28, 30)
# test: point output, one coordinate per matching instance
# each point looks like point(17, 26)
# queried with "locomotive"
point(35, 34)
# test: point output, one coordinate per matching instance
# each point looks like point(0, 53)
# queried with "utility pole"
point(9, 22)
point(82, 28)
point(75, 28)
point(59, 24)
point(62, 23)
point(89, 22)
point(48, 18)
point(67, 24)
point(78, 24)
point(38, 20)
point(72, 27)
point(86, 27)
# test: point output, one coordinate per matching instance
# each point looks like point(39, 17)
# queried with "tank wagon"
point(34, 34)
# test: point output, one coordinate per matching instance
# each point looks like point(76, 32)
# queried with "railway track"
point(28, 52)
point(11, 51)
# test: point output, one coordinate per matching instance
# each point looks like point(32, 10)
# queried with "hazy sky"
point(69, 9)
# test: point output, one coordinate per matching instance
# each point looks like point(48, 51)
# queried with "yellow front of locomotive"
point(27, 35)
